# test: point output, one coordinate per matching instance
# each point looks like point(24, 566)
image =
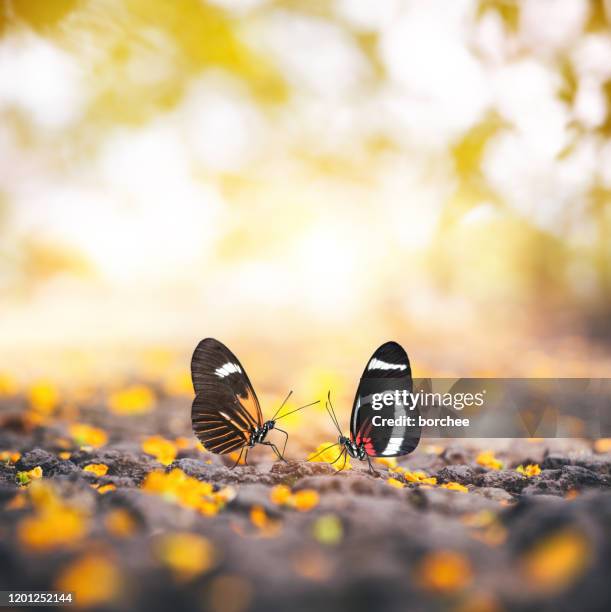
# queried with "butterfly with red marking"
point(226, 415)
point(387, 375)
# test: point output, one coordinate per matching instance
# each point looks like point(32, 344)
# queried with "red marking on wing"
point(363, 437)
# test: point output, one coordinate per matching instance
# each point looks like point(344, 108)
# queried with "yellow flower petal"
point(43, 398)
point(179, 384)
point(267, 526)
point(329, 453)
point(51, 529)
point(24, 478)
point(186, 554)
point(136, 399)
point(120, 523)
point(183, 443)
point(555, 562)
point(603, 445)
point(305, 500)
point(176, 487)
point(35, 473)
point(258, 517)
point(17, 503)
point(9, 456)
point(389, 462)
point(163, 450)
point(488, 460)
point(445, 572)
point(455, 486)
point(93, 579)
point(280, 495)
point(530, 470)
point(419, 477)
point(397, 484)
point(8, 385)
point(86, 435)
point(99, 469)
point(328, 529)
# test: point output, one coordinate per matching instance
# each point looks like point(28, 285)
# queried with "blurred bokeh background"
point(304, 180)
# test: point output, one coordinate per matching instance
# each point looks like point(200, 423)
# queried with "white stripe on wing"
point(378, 364)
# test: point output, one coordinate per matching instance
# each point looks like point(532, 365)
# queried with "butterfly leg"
point(372, 470)
point(239, 458)
point(343, 453)
point(343, 464)
point(285, 440)
point(275, 449)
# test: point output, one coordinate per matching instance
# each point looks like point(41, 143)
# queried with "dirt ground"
point(447, 528)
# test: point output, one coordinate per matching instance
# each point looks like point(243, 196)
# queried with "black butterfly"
point(388, 371)
point(226, 415)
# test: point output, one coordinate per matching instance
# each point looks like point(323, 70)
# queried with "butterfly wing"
point(387, 371)
point(226, 409)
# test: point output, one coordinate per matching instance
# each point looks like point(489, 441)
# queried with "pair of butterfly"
point(226, 415)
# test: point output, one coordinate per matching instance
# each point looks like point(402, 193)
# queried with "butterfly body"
point(354, 450)
point(258, 435)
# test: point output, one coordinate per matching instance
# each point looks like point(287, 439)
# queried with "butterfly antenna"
point(333, 420)
point(286, 399)
point(297, 410)
point(332, 414)
point(322, 451)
